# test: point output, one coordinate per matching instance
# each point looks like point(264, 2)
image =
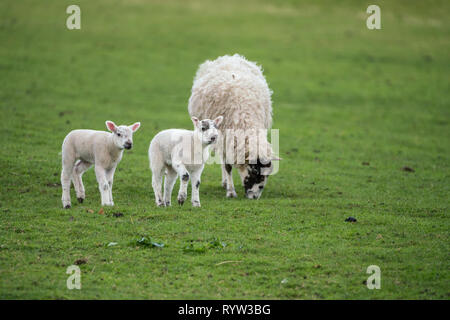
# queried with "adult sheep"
point(235, 88)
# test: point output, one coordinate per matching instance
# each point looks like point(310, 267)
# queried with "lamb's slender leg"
point(78, 170)
point(184, 180)
point(171, 178)
point(231, 192)
point(66, 172)
point(157, 176)
point(103, 185)
point(110, 179)
point(195, 185)
point(224, 176)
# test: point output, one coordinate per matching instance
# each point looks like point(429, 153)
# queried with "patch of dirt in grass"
point(81, 261)
point(53, 184)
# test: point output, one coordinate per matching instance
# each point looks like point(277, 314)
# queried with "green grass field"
point(353, 106)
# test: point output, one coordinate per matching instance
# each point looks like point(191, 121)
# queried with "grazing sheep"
point(177, 152)
point(83, 148)
point(236, 89)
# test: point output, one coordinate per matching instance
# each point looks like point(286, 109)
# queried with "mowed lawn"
point(353, 106)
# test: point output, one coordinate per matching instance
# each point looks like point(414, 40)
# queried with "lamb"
point(177, 152)
point(235, 88)
point(83, 148)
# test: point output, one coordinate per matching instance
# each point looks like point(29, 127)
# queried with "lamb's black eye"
point(205, 126)
point(119, 135)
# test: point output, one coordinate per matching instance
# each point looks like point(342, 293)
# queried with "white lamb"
point(177, 152)
point(235, 88)
point(83, 148)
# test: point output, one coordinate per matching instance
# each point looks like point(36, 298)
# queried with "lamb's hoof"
point(67, 206)
point(160, 204)
point(181, 198)
point(231, 194)
point(195, 203)
point(80, 200)
point(168, 204)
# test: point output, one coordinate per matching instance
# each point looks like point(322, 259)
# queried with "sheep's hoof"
point(80, 200)
point(195, 204)
point(67, 206)
point(168, 204)
point(180, 202)
point(231, 194)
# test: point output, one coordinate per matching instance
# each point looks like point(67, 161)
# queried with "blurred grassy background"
point(343, 95)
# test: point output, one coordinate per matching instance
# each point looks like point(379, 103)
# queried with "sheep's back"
point(235, 88)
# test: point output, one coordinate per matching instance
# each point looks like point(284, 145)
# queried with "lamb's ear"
point(134, 127)
point(195, 121)
point(111, 126)
point(218, 121)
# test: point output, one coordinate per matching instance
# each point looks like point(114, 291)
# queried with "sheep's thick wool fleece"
point(235, 88)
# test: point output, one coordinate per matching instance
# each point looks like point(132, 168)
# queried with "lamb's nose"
point(213, 138)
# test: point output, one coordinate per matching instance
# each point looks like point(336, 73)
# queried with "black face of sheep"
point(254, 177)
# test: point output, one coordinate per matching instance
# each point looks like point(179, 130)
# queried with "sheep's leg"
point(171, 178)
point(157, 176)
point(66, 172)
point(78, 170)
point(103, 185)
point(195, 185)
point(231, 192)
point(224, 176)
point(110, 179)
point(184, 180)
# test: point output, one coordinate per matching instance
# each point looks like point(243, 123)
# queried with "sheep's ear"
point(134, 127)
point(195, 121)
point(218, 121)
point(264, 160)
point(111, 126)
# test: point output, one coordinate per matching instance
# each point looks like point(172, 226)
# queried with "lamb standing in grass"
point(83, 148)
point(183, 153)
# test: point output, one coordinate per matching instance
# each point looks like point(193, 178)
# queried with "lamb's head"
point(122, 135)
point(206, 130)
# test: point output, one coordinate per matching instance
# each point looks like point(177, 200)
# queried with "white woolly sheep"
point(83, 148)
point(177, 152)
point(235, 88)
